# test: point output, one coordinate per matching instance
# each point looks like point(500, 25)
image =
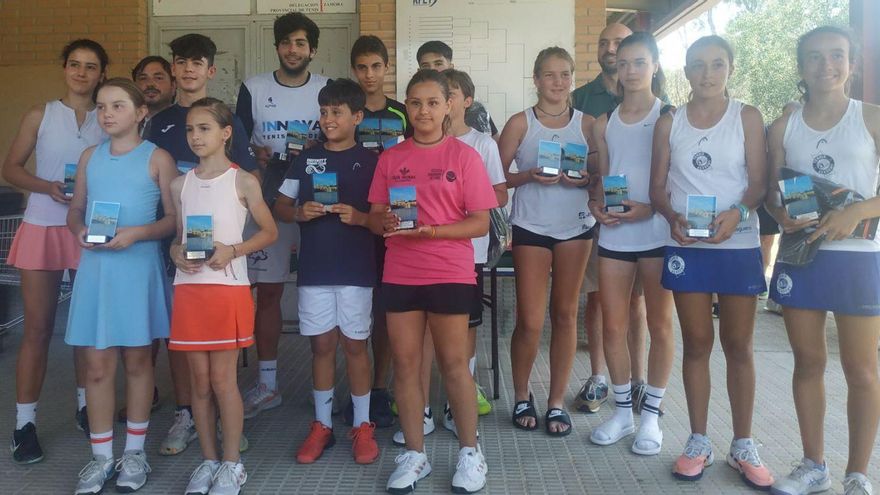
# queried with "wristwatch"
point(743, 211)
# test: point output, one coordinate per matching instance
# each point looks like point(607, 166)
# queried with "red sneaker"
point(320, 438)
point(363, 445)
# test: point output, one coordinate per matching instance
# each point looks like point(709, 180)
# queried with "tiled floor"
point(519, 462)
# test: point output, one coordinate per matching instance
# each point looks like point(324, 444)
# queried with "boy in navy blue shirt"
point(326, 191)
point(193, 66)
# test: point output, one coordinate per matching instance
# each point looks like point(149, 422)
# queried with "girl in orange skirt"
point(213, 313)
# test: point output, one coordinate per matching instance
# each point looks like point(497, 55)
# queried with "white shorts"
point(271, 265)
point(324, 307)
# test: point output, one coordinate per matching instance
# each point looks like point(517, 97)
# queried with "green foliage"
point(765, 69)
point(764, 37)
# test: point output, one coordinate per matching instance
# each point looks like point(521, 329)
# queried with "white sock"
point(135, 435)
point(24, 414)
point(472, 364)
point(651, 408)
point(324, 406)
point(267, 373)
point(623, 403)
point(361, 405)
point(102, 444)
point(80, 398)
point(600, 379)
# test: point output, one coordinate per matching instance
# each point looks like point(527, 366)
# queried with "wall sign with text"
point(307, 6)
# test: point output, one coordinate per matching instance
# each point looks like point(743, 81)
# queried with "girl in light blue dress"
point(121, 296)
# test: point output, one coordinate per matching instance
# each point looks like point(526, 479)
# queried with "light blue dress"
point(121, 298)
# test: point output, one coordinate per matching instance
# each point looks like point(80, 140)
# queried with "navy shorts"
point(632, 256)
point(451, 299)
point(523, 237)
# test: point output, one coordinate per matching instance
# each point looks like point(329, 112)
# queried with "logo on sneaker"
point(675, 265)
point(167, 128)
point(784, 284)
point(520, 408)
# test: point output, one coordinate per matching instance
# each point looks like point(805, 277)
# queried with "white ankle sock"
point(651, 407)
point(24, 414)
point(623, 403)
point(268, 370)
point(600, 379)
point(472, 364)
point(102, 444)
point(80, 398)
point(324, 406)
point(135, 435)
point(361, 404)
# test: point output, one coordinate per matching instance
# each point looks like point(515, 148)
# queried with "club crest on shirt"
point(675, 265)
point(316, 165)
point(784, 284)
point(404, 173)
point(271, 103)
point(450, 176)
point(822, 163)
point(701, 159)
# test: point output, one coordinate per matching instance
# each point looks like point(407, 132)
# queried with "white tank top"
point(711, 162)
point(216, 197)
point(551, 210)
point(845, 154)
point(59, 141)
point(629, 154)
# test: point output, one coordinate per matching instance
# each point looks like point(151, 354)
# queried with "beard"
point(609, 68)
point(294, 71)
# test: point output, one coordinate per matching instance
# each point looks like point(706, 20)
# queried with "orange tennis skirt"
point(43, 248)
point(211, 317)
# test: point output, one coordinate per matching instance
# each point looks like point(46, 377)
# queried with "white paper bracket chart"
point(495, 41)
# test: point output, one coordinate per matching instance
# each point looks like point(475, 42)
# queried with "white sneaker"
point(807, 477)
point(427, 428)
point(182, 432)
point(449, 421)
point(228, 479)
point(470, 472)
point(412, 466)
point(133, 470)
point(93, 476)
point(260, 398)
point(202, 478)
point(857, 484)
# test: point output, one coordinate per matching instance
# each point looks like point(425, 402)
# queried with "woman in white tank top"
point(552, 229)
point(57, 132)
point(714, 145)
point(632, 243)
point(837, 138)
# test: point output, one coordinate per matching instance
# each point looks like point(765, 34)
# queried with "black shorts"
point(768, 225)
point(448, 299)
point(632, 256)
point(523, 237)
point(476, 313)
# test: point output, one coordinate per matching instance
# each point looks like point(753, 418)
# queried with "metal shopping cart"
point(9, 275)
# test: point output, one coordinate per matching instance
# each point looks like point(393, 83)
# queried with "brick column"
point(378, 17)
point(589, 18)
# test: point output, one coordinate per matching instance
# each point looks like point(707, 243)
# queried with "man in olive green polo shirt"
point(600, 95)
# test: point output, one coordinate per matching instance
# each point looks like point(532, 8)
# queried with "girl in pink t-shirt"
point(429, 272)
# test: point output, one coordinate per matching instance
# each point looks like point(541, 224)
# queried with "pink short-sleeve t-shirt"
point(450, 181)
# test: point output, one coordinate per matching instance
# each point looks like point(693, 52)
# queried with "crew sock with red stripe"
point(102, 444)
point(135, 435)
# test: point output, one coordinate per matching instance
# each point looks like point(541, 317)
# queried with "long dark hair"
point(658, 81)
point(839, 31)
